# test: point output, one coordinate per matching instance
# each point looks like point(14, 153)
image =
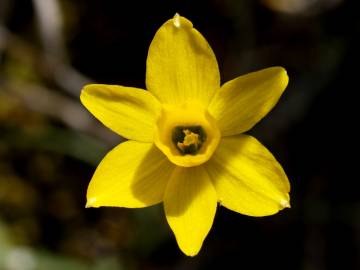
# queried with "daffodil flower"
point(186, 146)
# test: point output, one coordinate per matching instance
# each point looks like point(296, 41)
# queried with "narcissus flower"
point(186, 145)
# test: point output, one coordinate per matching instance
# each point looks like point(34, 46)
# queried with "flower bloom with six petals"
point(186, 146)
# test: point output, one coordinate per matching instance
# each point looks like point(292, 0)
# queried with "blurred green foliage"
point(14, 257)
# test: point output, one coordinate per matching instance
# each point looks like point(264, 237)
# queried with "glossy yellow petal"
point(133, 174)
point(128, 111)
point(181, 65)
point(190, 205)
point(244, 101)
point(247, 177)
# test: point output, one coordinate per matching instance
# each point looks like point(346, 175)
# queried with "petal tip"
point(285, 204)
point(179, 22)
point(90, 203)
point(86, 92)
point(176, 20)
point(283, 76)
point(278, 70)
point(88, 87)
point(190, 252)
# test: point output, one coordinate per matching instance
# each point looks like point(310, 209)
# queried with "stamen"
point(177, 20)
point(188, 140)
point(191, 139)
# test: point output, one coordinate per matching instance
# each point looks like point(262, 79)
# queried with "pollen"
point(188, 140)
point(191, 139)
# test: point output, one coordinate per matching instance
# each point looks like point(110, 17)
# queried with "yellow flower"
point(186, 147)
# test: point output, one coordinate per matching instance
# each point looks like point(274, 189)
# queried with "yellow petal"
point(244, 101)
point(190, 205)
point(247, 177)
point(133, 174)
point(181, 66)
point(128, 111)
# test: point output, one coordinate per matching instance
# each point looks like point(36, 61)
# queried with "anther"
point(188, 139)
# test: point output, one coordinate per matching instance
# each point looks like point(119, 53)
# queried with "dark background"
point(50, 145)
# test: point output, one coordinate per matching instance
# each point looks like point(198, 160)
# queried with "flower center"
point(186, 133)
point(188, 140)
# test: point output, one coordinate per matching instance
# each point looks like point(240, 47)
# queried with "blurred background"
point(50, 145)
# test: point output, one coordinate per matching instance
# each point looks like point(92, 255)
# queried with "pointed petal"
point(181, 66)
point(133, 174)
point(190, 205)
point(244, 101)
point(247, 177)
point(128, 111)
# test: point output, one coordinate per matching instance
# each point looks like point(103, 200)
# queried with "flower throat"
point(188, 139)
